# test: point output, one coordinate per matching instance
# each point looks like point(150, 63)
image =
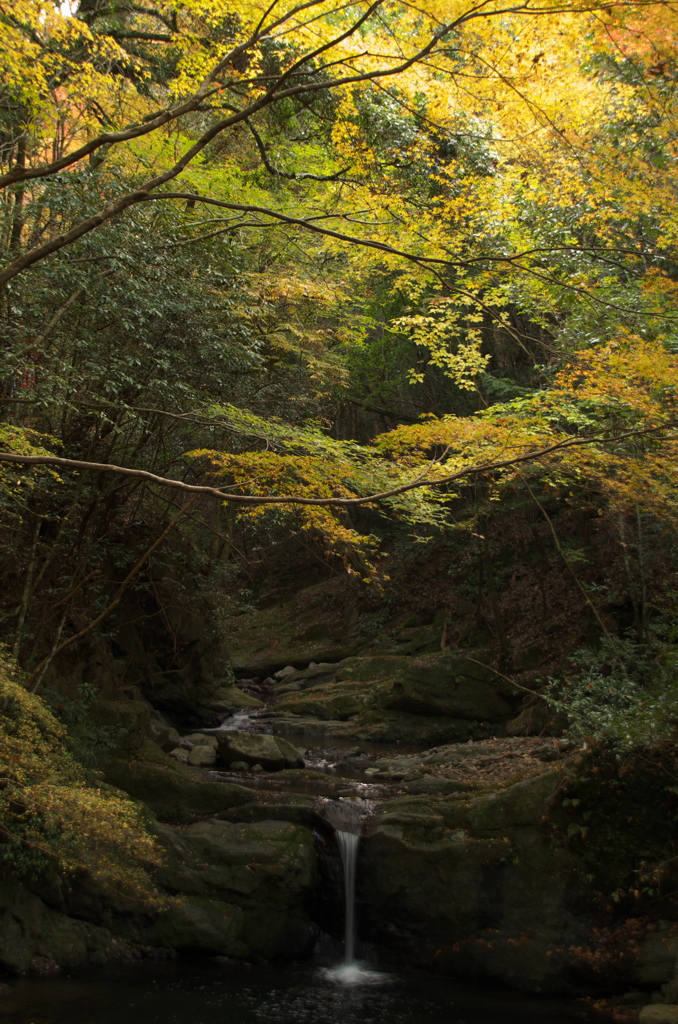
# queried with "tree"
point(201, 209)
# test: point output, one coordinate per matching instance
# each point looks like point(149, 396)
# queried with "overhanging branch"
point(296, 499)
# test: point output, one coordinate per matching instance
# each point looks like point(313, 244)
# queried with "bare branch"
point(290, 175)
point(296, 499)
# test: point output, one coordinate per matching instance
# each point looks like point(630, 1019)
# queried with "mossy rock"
point(267, 862)
point(194, 923)
point(330, 701)
point(229, 699)
point(170, 792)
point(271, 752)
point(518, 806)
point(71, 942)
point(295, 808)
point(440, 685)
point(473, 886)
point(28, 929)
point(267, 868)
point(455, 687)
point(22, 916)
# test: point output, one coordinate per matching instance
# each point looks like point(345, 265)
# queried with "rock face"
point(433, 698)
point(311, 626)
point(271, 752)
point(178, 660)
point(243, 889)
point(473, 887)
point(239, 890)
point(29, 929)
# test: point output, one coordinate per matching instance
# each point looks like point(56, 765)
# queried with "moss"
point(51, 813)
point(231, 698)
point(170, 792)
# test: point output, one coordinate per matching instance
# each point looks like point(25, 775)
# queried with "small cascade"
point(348, 817)
point(241, 720)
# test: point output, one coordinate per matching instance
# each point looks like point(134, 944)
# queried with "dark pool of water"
point(171, 993)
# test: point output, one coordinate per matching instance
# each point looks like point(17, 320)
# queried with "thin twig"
point(566, 561)
point(34, 679)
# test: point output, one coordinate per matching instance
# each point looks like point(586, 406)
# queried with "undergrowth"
point(52, 815)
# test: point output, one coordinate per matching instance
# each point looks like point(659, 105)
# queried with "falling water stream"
point(348, 818)
point(348, 846)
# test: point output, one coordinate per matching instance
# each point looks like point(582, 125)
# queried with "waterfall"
point(348, 847)
point(347, 817)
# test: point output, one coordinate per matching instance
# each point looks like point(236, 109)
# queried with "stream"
point(344, 983)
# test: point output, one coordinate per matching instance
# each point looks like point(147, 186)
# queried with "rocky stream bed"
point(466, 865)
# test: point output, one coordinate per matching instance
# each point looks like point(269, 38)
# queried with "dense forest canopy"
point(313, 253)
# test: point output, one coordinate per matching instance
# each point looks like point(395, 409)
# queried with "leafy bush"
point(51, 814)
point(623, 691)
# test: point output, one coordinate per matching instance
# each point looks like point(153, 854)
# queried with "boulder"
point(169, 790)
point(200, 739)
point(166, 737)
point(658, 1015)
point(202, 756)
point(271, 752)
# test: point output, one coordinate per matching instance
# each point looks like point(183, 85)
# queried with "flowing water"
point(219, 991)
point(351, 971)
point(348, 817)
point(348, 846)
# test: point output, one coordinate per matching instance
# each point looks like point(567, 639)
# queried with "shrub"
point(52, 813)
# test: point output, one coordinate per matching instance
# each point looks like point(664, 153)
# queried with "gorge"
point(338, 511)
